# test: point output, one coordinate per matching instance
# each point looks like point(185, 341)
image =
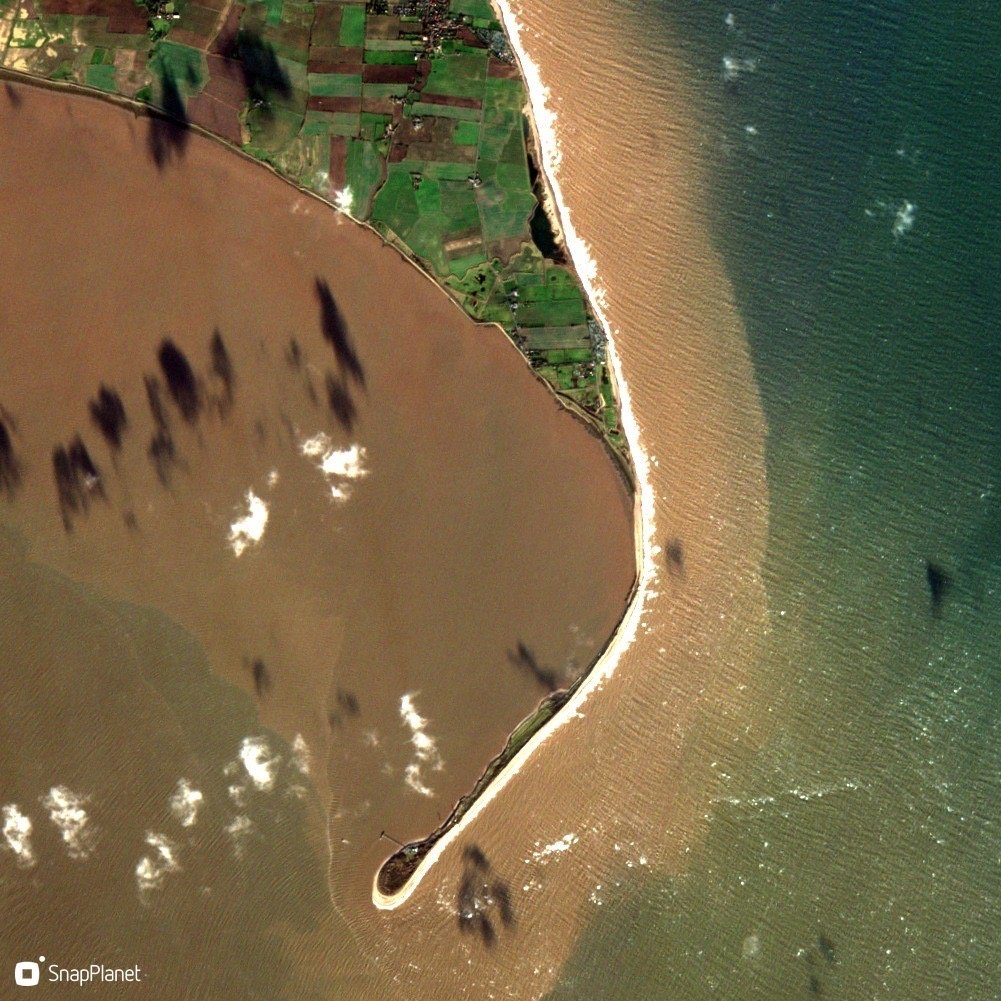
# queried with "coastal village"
point(410, 117)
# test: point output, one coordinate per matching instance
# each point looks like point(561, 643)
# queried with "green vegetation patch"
point(353, 26)
point(401, 58)
point(373, 127)
point(466, 133)
point(364, 174)
point(460, 266)
point(345, 123)
point(575, 338)
point(473, 8)
point(102, 77)
point(444, 111)
point(462, 75)
point(396, 203)
point(453, 172)
point(377, 90)
point(335, 84)
point(390, 45)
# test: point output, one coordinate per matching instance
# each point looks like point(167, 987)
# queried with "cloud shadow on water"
point(10, 465)
point(482, 898)
point(525, 660)
point(335, 332)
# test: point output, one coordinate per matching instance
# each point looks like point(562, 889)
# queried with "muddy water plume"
point(346, 508)
point(625, 782)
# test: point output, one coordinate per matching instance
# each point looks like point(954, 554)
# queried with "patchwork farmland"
point(409, 116)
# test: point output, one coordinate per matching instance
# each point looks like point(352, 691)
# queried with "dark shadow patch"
point(523, 658)
point(180, 378)
point(826, 947)
point(77, 480)
point(335, 333)
point(263, 75)
point(163, 455)
point(108, 414)
point(222, 364)
point(90, 475)
point(167, 133)
point(68, 491)
point(481, 898)
point(10, 465)
point(154, 397)
point(348, 702)
point(13, 97)
point(161, 451)
point(939, 585)
point(261, 676)
point(339, 400)
point(293, 354)
point(474, 856)
point(502, 897)
point(674, 557)
point(814, 985)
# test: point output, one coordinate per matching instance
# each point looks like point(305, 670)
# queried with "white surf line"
point(644, 513)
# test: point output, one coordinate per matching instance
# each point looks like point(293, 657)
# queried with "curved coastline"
point(553, 711)
point(543, 122)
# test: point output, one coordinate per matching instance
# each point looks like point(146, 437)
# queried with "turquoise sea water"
point(857, 205)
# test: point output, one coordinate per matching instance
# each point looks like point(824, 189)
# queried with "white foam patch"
point(735, 67)
point(425, 749)
point(17, 834)
point(259, 762)
point(903, 221)
point(185, 802)
point(249, 530)
point(796, 792)
point(301, 754)
point(543, 854)
point(66, 811)
point(339, 466)
point(152, 870)
point(645, 521)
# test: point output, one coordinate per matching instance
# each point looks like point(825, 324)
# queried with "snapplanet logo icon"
point(26, 974)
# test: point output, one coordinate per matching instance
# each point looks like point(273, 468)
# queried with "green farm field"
point(412, 119)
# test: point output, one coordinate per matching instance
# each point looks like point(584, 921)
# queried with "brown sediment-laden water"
point(281, 530)
point(623, 786)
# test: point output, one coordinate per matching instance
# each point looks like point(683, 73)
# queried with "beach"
point(621, 781)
